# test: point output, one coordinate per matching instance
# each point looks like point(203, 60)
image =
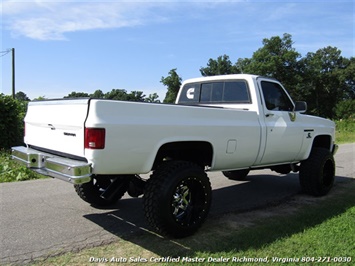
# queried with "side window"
point(225, 92)
point(217, 92)
point(211, 92)
point(236, 92)
point(190, 94)
point(275, 97)
point(206, 90)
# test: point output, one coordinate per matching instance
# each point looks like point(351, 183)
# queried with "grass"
point(345, 131)
point(10, 171)
point(325, 231)
point(305, 230)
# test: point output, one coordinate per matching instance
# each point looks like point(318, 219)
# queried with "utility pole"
point(13, 72)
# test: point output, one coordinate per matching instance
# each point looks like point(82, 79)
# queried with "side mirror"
point(300, 107)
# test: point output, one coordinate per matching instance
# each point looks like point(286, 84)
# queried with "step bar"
point(72, 171)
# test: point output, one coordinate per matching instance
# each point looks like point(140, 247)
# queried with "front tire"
point(317, 173)
point(177, 198)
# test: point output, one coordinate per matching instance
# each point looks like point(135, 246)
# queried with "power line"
point(5, 52)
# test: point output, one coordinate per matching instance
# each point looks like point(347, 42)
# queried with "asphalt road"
point(45, 217)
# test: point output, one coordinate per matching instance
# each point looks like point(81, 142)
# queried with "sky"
point(82, 46)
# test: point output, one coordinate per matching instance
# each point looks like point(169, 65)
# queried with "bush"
point(345, 131)
point(10, 171)
point(345, 109)
point(12, 113)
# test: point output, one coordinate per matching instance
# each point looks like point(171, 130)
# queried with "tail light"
point(94, 138)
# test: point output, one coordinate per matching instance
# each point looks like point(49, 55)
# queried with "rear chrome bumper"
point(73, 171)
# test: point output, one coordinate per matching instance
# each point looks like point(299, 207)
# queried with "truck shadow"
point(128, 221)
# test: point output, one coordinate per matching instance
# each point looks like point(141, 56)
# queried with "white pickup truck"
point(229, 123)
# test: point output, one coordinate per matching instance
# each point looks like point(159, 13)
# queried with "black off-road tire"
point(91, 191)
point(237, 175)
point(317, 173)
point(177, 198)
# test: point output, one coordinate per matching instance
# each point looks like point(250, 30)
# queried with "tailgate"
point(57, 125)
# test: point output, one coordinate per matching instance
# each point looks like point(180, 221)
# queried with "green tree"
point(98, 94)
point(242, 64)
point(173, 82)
point(152, 98)
point(77, 95)
point(345, 109)
point(324, 80)
point(347, 77)
point(40, 98)
point(21, 96)
point(117, 94)
point(136, 96)
point(277, 59)
point(221, 66)
point(12, 113)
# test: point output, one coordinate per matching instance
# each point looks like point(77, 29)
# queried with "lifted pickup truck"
point(230, 123)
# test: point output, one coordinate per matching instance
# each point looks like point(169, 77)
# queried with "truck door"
point(283, 133)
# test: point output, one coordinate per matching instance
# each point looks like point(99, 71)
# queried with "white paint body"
point(241, 135)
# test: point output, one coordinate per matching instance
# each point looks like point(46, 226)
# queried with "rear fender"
point(199, 152)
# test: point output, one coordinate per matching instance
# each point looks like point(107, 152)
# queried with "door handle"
point(268, 115)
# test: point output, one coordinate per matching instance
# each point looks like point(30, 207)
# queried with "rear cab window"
point(236, 91)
